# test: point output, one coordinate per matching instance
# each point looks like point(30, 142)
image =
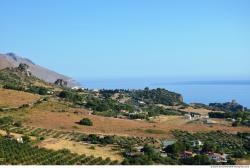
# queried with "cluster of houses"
point(217, 157)
point(196, 116)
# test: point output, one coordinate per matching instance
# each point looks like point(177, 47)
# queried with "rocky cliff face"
point(11, 60)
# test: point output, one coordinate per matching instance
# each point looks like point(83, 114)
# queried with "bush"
point(18, 124)
point(38, 90)
point(13, 87)
point(70, 96)
point(6, 120)
point(86, 121)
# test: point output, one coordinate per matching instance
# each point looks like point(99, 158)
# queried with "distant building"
point(196, 143)
point(187, 154)
point(192, 116)
point(220, 158)
point(75, 88)
point(141, 102)
point(20, 140)
point(210, 122)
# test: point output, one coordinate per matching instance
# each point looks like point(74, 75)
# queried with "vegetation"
point(86, 121)
point(215, 142)
point(241, 117)
point(157, 96)
point(14, 153)
point(228, 106)
point(70, 96)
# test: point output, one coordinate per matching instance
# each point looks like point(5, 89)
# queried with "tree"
point(209, 147)
point(175, 148)
point(86, 121)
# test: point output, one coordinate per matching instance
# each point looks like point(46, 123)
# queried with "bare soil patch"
point(12, 98)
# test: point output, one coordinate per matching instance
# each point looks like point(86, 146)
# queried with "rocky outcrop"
point(11, 60)
point(61, 82)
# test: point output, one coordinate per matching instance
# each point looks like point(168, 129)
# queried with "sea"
point(192, 91)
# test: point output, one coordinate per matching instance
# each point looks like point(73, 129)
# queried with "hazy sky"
point(131, 38)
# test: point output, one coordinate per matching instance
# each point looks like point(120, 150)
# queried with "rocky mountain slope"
point(12, 60)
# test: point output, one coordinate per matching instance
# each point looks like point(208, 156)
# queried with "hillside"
point(11, 60)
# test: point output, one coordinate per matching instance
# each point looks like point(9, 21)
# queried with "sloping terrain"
point(11, 60)
point(11, 98)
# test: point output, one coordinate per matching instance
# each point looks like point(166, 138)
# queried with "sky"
point(194, 39)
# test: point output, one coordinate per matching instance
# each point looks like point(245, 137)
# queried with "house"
point(219, 158)
point(75, 88)
point(196, 143)
point(164, 154)
point(141, 102)
point(210, 122)
point(187, 154)
point(188, 116)
point(192, 116)
point(19, 140)
point(139, 148)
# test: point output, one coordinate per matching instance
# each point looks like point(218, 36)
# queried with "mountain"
point(12, 60)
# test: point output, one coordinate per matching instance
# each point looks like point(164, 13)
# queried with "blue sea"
point(198, 92)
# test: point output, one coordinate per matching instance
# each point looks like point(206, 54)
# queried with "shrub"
point(86, 121)
point(18, 124)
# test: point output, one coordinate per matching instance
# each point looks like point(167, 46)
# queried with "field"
point(12, 99)
point(82, 148)
point(66, 118)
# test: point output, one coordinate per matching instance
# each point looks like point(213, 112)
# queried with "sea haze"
point(193, 91)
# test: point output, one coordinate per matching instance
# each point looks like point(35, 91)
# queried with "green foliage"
point(70, 96)
point(94, 139)
point(7, 76)
point(156, 110)
point(175, 148)
point(150, 156)
point(229, 106)
point(18, 124)
point(157, 96)
point(14, 86)
point(6, 120)
point(217, 141)
point(38, 90)
point(26, 139)
point(86, 121)
point(197, 160)
point(14, 153)
point(242, 118)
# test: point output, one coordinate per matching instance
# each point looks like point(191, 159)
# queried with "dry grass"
point(202, 111)
point(80, 148)
point(243, 162)
point(44, 117)
point(16, 135)
point(12, 98)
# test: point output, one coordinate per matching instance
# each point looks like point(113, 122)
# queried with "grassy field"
point(80, 148)
point(11, 98)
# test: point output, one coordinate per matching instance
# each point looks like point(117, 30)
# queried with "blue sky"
point(191, 39)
